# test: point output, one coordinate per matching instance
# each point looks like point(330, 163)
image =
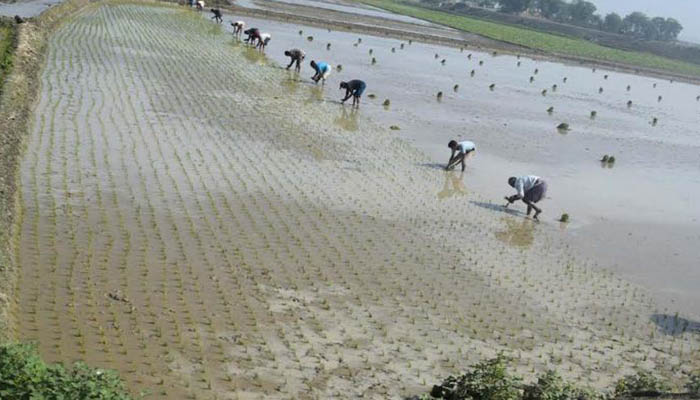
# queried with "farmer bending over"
point(353, 88)
point(238, 28)
point(297, 56)
point(460, 151)
point(217, 15)
point(323, 70)
point(253, 35)
point(530, 189)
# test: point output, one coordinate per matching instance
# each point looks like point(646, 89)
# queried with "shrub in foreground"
point(24, 375)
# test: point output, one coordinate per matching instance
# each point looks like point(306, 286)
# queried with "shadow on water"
point(675, 325)
point(453, 187)
point(432, 166)
point(518, 233)
point(347, 119)
point(497, 207)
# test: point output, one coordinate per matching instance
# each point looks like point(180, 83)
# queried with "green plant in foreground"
point(641, 382)
point(564, 218)
point(693, 385)
point(551, 386)
point(24, 375)
point(487, 380)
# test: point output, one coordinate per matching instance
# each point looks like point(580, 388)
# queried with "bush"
point(24, 375)
point(551, 386)
point(642, 382)
point(693, 385)
point(488, 380)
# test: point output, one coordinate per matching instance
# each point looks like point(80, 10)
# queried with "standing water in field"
point(235, 232)
point(637, 217)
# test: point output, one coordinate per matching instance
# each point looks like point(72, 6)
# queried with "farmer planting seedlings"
point(530, 189)
point(238, 27)
point(460, 151)
point(253, 35)
point(323, 70)
point(297, 56)
point(354, 89)
point(217, 15)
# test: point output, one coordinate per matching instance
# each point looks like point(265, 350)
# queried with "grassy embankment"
point(541, 41)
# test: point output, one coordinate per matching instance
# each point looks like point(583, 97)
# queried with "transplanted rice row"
point(172, 232)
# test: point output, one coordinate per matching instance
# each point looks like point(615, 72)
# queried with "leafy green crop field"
point(547, 42)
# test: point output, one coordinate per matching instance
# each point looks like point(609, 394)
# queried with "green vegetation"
point(491, 380)
point(24, 375)
point(641, 382)
point(546, 42)
point(8, 41)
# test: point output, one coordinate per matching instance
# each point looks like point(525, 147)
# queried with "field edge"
point(19, 93)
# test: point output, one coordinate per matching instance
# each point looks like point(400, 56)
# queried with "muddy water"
point(26, 9)
point(353, 9)
point(637, 217)
point(213, 227)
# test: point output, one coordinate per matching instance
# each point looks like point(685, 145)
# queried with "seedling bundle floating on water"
point(607, 159)
point(563, 126)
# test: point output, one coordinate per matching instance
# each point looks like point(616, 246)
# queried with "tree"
point(582, 12)
point(514, 6)
point(549, 8)
point(612, 23)
point(671, 29)
point(636, 24)
point(487, 3)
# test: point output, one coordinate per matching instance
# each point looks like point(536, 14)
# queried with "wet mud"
point(213, 226)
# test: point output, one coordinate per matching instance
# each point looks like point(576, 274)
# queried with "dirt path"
point(189, 225)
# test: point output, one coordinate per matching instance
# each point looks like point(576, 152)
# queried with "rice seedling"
point(564, 218)
point(532, 79)
point(328, 46)
point(544, 92)
point(492, 86)
point(481, 62)
point(472, 73)
point(594, 114)
point(394, 127)
point(629, 103)
point(550, 110)
point(374, 60)
point(455, 87)
point(386, 103)
point(563, 127)
point(310, 38)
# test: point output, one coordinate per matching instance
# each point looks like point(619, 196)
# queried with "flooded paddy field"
point(637, 216)
point(213, 226)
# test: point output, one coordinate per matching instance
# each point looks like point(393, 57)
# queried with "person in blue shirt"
point(323, 70)
point(354, 89)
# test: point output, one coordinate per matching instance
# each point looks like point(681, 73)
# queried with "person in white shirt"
point(460, 151)
point(530, 189)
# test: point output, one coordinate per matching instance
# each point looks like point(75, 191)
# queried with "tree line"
point(583, 13)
